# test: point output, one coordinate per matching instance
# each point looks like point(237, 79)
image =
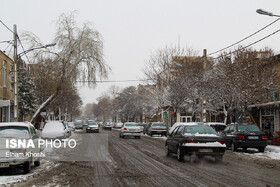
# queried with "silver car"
point(130, 129)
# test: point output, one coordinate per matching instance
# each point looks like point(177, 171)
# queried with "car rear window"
point(248, 128)
point(197, 129)
point(131, 125)
point(158, 124)
point(14, 132)
point(92, 123)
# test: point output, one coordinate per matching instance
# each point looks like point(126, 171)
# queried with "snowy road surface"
point(142, 162)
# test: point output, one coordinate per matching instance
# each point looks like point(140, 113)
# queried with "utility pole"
point(203, 97)
point(15, 79)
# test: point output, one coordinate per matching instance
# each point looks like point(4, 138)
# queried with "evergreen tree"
point(26, 98)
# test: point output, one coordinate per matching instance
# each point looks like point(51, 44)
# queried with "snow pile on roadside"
point(10, 179)
point(271, 152)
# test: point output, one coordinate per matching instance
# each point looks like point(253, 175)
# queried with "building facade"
point(6, 88)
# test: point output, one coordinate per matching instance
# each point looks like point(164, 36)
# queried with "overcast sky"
point(133, 29)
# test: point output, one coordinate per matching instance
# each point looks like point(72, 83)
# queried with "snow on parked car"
point(54, 130)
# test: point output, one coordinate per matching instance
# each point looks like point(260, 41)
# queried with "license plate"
point(4, 165)
point(205, 150)
point(253, 137)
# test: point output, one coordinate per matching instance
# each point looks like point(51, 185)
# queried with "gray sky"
point(133, 29)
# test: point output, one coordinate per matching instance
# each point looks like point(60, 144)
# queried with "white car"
point(18, 156)
point(119, 125)
point(130, 129)
point(183, 123)
point(54, 130)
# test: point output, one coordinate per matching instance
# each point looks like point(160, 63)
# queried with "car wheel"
point(233, 147)
point(218, 158)
point(37, 163)
point(180, 154)
point(261, 149)
point(167, 151)
point(27, 167)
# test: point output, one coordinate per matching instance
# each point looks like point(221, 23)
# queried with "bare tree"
point(78, 56)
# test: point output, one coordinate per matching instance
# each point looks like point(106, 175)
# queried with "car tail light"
point(264, 137)
point(190, 141)
point(240, 137)
point(125, 129)
point(221, 142)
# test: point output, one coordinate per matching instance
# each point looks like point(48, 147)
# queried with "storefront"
point(268, 116)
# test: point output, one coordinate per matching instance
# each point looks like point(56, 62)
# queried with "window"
point(4, 74)
point(179, 131)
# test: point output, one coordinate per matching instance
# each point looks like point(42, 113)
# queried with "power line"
point(109, 81)
point(245, 37)
point(250, 44)
point(6, 26)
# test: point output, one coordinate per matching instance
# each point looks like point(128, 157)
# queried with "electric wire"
point(249, 44)
point(6, 26)
point(245, 37)
point(111, 81)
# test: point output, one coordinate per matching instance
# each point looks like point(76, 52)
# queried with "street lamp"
point(264, 12)
point(32, 49)
point(16, 58)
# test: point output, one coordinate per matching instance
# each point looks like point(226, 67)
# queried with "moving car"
point(219, 127)
point(18, 156)
point(107, 126)
point(92, 127)
point(199, 140)
point(78, 124)
point(130, 129)
point(118, 125)
point(157, 128)
point(54, 130)
point(244, 136)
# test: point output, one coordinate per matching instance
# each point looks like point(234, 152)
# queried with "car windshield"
point(14, 132)
point(131, 125)
point(197, 129)
point(159, 124)
point(77, 123)
point(248, 128)
point(92, 124)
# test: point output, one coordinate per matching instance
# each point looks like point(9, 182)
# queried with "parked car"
point(119, 125)
point(92, 127)
point(157, 128)
point(219, 127)
point(200, 140)
point(183, 123)
point(107, 126)
point(18, 130)
point(78, 124)
point(130, 129)
point(244, 136)
point(54, 130)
